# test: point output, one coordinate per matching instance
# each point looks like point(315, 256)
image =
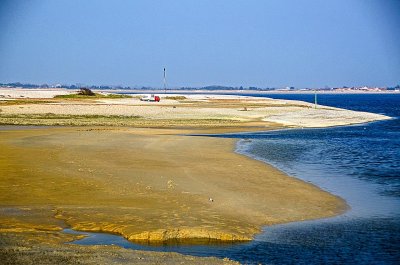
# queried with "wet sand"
point(48, 248)
point(151, 184)
point(145, 184)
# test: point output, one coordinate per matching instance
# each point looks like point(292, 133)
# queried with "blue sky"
point(310, 43)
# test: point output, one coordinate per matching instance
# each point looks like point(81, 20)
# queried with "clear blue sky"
point(310, 43)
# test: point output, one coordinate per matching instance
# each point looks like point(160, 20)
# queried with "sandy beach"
point(24, 107)
point(134, 170)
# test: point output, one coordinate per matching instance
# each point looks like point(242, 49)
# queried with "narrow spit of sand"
point(25, 107)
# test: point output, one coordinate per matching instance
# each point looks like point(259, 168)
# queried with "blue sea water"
point(359, 163)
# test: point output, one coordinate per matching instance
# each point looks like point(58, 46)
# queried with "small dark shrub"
point(86, 92)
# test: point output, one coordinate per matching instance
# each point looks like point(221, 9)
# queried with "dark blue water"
point(368, 151)
point(359, 163)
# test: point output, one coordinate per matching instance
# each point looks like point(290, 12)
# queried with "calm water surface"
point(359, 163)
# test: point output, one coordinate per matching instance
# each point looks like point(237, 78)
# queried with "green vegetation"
point(54, 116)
point(94, 96)
point(51, 119)
point(176, 97)
point(24, 102)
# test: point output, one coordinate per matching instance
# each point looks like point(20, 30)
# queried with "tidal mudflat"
point(147, 185)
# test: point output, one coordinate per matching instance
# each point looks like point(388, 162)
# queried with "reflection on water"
point(205, 249)
point(110, 239)
point(334, 241)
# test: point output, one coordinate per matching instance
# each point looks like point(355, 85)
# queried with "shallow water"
point(359, 163)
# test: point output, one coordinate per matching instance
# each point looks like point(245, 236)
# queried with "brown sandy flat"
point(146, 184)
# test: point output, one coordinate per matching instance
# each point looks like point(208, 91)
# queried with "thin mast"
point(315, 99)
point(165, 82)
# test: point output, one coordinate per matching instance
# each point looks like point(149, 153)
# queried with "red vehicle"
point(151, 98)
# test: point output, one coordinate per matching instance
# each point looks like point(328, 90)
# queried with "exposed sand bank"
point(145, 184)
point(48, 248)
point(150, 184)
point(20, 93)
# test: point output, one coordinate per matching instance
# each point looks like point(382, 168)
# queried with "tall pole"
point(165, 82)
point(315, 99)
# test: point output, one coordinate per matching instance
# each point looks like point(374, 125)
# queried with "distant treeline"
point(78, 86)
point(227, 88)
point(215, 87)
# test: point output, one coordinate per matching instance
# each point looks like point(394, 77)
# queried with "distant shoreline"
point(210, 91)
point(245, 92)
